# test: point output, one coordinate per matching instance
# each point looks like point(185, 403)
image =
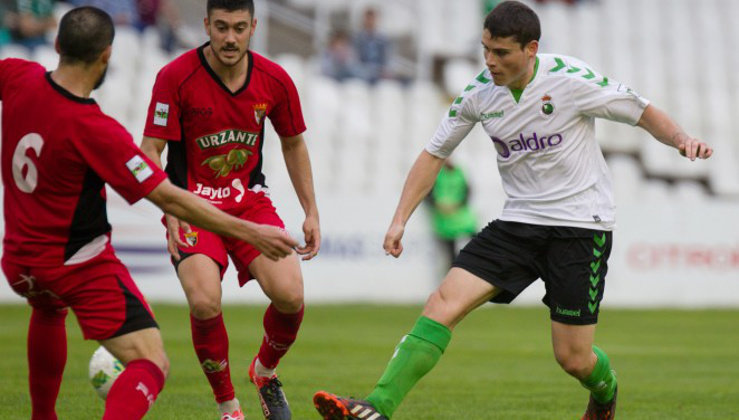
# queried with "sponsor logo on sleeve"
point(161, 114)
point(140, 170)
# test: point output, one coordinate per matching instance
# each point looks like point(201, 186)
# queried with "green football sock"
point(414, 357)
point(602, 381)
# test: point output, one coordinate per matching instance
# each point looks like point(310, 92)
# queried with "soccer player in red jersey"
point(58, 151)
point(209, 107)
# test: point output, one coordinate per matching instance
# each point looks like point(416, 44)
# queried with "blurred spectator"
point(372, 48)
point(339, 60)
point(33, 20)
point(570, 2)
point(489, 5)
point(7, 20)
point(452, 217)
point(162, 14)
point(123, 12)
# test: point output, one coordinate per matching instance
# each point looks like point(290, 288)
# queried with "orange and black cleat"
point(333, 407)
point(598, 411)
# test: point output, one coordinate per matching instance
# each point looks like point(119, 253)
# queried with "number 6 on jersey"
point(28, 182)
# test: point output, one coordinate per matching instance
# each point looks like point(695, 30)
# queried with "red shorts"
point(101, 293)
point(218, 248)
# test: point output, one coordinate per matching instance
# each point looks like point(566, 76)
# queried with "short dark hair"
point(512, 18)
point(84, 33)
point(231, 5)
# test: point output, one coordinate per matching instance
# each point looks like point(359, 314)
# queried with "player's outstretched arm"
point(417, 186)
point(271, 241)
point(664, 129)
point(298, 165)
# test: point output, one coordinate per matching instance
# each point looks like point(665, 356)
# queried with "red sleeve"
point(286, 115)
point(113, 155)
point(163, 117)
point(11, 68)
point(3, 75)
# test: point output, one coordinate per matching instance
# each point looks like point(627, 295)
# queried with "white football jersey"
point(552, 169)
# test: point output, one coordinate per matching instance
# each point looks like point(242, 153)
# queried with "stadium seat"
point(627, 179)
point(457, 74)
point(555, 17)
point(587, 35)
point(689, 192)
point(388, 132)
point(46, 56)
point(295, 66)
point(654, 191)
point(321, 107)
point(431, 34)
point(14, 51)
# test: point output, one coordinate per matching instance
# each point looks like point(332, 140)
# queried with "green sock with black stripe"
point(414, 357)
point(602, 381)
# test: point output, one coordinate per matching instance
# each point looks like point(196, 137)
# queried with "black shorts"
point(573, 263)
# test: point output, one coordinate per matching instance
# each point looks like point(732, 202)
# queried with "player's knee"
point(203, 307)
point(289, 302)
point(441, 309)
point(574, 363)
point(162, 361)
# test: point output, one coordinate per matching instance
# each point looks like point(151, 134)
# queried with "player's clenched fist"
point(392, 243)
point(695, 149)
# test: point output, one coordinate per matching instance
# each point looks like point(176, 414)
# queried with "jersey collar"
point(67, 94)
point(217, 79)
point(518, 92)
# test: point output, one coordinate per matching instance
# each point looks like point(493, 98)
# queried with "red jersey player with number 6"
point(209, 106)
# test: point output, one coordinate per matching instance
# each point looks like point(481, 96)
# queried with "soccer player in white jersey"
point(539, 111)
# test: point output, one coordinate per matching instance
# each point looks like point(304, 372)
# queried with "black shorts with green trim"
point(572, 262)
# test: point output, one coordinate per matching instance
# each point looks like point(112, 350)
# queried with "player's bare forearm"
point(153, 149)
point(417, 186)
point(666, 130)
point(298, 166)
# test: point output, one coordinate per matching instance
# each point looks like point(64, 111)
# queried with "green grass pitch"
point(670, 364)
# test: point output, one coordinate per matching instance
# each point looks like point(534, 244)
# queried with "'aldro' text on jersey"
point(215, 136)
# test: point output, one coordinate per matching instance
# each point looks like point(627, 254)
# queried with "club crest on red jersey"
point(260, 110)
point(191, 238)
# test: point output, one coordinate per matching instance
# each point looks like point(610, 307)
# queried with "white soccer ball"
point(104, 369)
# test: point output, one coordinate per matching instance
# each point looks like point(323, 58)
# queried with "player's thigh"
point(243, 254)
point(281, 281)
point(459, 293)
point(141, 344)
point(200, 277)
